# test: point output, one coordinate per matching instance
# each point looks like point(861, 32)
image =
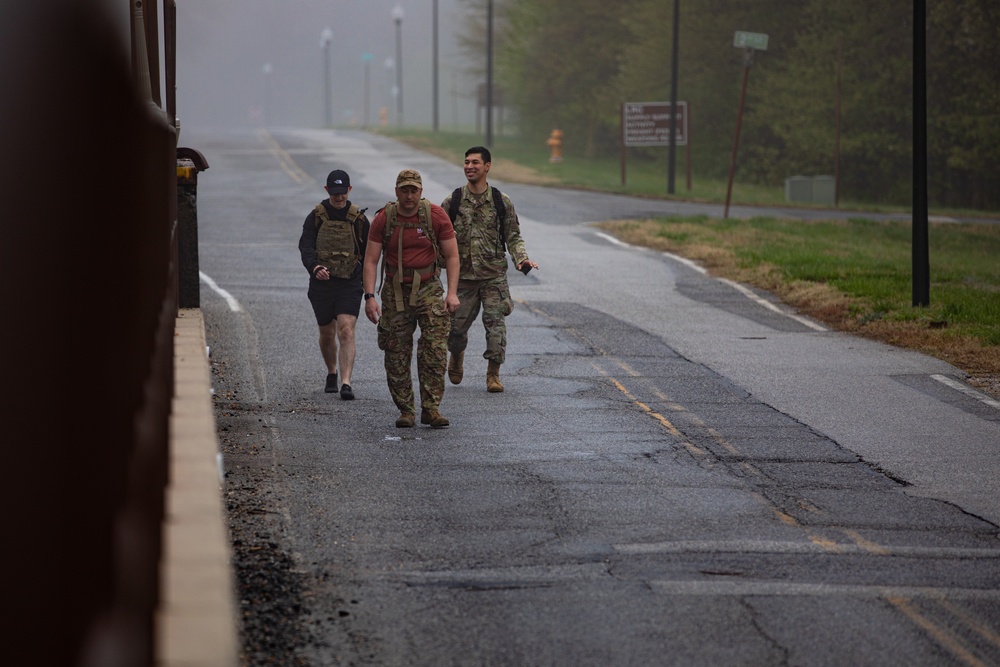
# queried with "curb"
point(196, 622)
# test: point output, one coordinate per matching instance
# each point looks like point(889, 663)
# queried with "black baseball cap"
point(338, 182)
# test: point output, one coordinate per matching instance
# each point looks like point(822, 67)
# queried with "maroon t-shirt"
point(418, 251)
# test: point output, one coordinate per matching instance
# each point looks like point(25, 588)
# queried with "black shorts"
point(337, 296)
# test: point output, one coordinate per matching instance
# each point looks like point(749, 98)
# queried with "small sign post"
point(749, 42)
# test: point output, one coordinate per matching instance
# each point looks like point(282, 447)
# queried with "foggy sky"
point(223, 47)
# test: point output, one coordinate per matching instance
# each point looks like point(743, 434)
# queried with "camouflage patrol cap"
point(409, 177)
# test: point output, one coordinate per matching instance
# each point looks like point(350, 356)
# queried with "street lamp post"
point(267, 69)
point(324, 42)
point(390, 72)
point(397, 16)
point(435, 65)
point(367, 58)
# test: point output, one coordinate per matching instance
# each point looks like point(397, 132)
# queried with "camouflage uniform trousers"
point(493, 295)
point(395, 337)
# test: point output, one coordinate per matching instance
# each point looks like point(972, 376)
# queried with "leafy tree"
point(560, 64)
point(875, 43)
point(963, 92)
point(571, 64)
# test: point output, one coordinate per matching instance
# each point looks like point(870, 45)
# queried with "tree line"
point(828, 65)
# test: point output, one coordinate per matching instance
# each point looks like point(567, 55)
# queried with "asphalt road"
point(680, 472)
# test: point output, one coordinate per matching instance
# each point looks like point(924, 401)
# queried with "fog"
point(252, 62)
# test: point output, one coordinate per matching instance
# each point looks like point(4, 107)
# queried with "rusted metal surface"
point(196, 158)
point(89, 285)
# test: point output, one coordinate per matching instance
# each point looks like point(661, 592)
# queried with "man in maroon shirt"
point(417, 237)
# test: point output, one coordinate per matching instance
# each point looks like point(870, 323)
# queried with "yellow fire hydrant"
point(555, 146)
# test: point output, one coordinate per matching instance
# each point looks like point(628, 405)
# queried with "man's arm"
point(515, 244)
point(449, 249)
point(372, 254)
point(307, 243)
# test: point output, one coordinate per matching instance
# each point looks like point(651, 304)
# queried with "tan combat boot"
point(493, 378)
point(433, 417)
point(455, 370)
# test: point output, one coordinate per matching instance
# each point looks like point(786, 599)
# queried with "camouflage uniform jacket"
point(480, 251)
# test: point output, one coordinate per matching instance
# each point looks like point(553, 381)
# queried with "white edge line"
point(767, 304)
point(234, 305)
point(738, 287)
point(967, 390)
point(788, 588)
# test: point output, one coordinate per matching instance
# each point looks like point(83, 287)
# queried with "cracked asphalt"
point(675, 475)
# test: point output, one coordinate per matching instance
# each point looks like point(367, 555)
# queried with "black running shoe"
point(346, 393)
point(331, 383)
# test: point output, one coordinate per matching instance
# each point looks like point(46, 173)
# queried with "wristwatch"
point(369, 295)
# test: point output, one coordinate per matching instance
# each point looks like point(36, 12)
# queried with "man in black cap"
point(333, 242)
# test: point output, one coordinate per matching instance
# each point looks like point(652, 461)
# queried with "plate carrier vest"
point(337, 245)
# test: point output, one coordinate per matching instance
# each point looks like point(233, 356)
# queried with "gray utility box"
point(810, 189)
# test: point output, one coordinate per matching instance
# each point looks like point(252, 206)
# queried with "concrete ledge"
point(196, 624)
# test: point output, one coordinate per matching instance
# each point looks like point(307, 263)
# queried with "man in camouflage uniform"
point(416, 237)
point(483, 234)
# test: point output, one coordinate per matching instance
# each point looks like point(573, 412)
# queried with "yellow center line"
point(284, 159)
point(976, 624)
point(787, 518)
point(673, 430)
point(823, 542)
point(941, 635)
point(865, 544)
point(628, 369)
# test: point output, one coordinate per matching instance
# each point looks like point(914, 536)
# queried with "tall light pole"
point(390, 70)
point(435, 64)
point(397, 16)
point(367, 58)
point(324, 43)
point(489, 72)
point(266, 70)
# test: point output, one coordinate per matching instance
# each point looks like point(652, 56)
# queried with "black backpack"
point(456, 200)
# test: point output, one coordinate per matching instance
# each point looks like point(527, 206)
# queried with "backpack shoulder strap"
point(499, 205)
point(501, 210)
point(354, 217)
point(456, 200)
point(390, 221)
point(319, 215)
point(425, 205)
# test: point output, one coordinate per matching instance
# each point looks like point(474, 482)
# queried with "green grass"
point(868, 262)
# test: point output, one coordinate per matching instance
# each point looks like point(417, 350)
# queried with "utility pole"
point(324, 42)
point(673, 101)
point(489, 72)
point(920, 250)
point(397, 16)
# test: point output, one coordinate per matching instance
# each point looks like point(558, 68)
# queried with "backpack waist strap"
point(417, 276)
